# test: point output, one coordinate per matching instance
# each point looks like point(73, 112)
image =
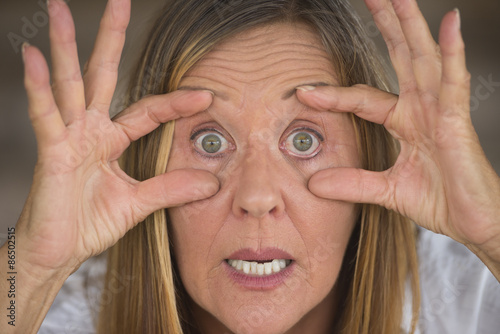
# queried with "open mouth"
point(259, 268)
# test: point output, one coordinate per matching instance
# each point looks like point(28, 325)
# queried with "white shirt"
point(459, 295)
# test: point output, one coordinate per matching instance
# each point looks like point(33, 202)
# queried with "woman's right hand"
point(81, 202)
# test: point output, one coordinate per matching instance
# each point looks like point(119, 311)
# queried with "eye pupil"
point(302, 141)
point(211, 143)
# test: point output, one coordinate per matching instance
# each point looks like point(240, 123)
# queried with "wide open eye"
point(302, 144)
point(211, 143)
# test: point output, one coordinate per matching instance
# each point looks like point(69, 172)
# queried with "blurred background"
point(23, 20)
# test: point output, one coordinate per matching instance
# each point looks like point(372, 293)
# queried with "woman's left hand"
point(442, 179)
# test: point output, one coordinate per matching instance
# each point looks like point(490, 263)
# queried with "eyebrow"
point(288, 94)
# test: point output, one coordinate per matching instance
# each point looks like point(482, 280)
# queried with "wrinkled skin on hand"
point(81, 202)
point(442, 179)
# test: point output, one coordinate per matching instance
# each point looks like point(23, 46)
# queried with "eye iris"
point(302, 141)
point(211, 143)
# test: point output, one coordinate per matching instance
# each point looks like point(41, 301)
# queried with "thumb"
point(351, 185)
point(174, 188)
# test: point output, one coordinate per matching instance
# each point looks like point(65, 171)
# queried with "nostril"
point(258, 198)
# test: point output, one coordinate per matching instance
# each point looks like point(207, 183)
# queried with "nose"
point(258, 192)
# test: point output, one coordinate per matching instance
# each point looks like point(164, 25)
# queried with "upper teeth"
point(260, 269)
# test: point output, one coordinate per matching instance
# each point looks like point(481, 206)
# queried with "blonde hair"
point(381, 256)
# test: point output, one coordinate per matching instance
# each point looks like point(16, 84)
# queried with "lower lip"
point(259, 282)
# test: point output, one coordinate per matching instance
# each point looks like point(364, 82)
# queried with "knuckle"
point(396, 45)
point(108, 65)
point(429, 95)
point(63, 79)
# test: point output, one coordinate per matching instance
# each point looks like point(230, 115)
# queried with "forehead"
point(281, 56)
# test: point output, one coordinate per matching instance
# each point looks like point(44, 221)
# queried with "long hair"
point(381, 256)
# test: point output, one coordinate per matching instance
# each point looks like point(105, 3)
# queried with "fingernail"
point(23, 48)
point(208, 91)
point(458, 17)
point(306, 88)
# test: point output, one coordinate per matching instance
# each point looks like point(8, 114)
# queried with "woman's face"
point(263, 145)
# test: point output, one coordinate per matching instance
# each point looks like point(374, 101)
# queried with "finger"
point(455, 81)
point(67, 78)
point(171, 189)
point(351, 185)
point(424, 51)
point(388, 24)
point(102, 70)
point(367, 102)
point(148, 113)
point(43, 112)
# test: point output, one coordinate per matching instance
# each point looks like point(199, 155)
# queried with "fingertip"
point(202, 183)
point(320, 98)
point(120, 12)
point(207, 96)
point(202, 99)
point(194, 100)
point(311, 96)
point(36, 70)
point(61, 24)
point(450, 33)
point(317, 183)
point(59, 10)
point(210, 187)
point(371, 4)
point(52, 7)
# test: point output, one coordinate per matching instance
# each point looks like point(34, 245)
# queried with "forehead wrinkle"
point(276, 71)
point(269, 52)
point(224, 75)
point(225, 64)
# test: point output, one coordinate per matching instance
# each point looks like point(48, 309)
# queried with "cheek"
point(325, 228)
point(201, 241)
point(193, 229)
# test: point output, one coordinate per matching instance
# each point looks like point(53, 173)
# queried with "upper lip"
point(247, 254)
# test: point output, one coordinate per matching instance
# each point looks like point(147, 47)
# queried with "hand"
point(81, 202)
point(441, 179)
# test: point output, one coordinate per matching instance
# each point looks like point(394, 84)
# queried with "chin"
point(259, 320)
